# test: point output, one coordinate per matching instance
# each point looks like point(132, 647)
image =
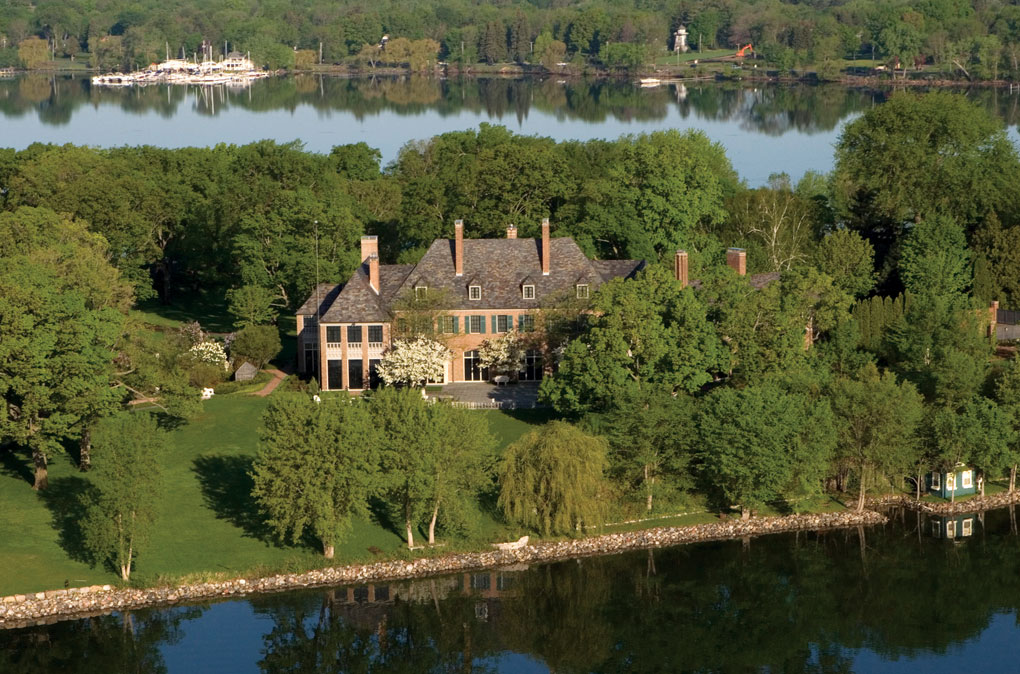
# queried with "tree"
point(935, 259)
point(415, 440)
point(780, 220)
point(33, 52)
point(62, 309)
point(989, 431)
point(849, 259)
point(316, 466)
point(643, 330)
point(1007, 393)
point(914, 157)
point(549, 51)
point(413, 362)
point(462, 464)
point(553, 480)
point(876, 420)
point(257, 344)
point(651, 439)
point(760, 443)
point(127, 475)
point(251, 305)
point(503, 355)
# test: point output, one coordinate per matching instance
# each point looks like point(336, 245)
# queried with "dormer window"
point(420, 292)
point(474, 292)
point(582, 291)
point(528, 292)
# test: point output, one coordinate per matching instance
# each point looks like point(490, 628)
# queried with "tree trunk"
point(327, 550)
point(42, 479)
point(982, 483)
point(745, 513)
point(410, 534)
point(125, 568)
point(1012, 479)
point(85, 450)
point(917, 495)
point(432, 524)
point(860, 494)
point(648, 488)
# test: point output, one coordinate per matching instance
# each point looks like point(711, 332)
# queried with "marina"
point(235, 69)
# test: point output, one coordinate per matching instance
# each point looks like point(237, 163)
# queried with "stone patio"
point(484, 395)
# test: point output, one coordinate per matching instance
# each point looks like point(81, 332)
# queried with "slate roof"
point(499, 266)
point(327, 293)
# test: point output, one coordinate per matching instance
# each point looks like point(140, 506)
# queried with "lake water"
point(883, 599)
point(765, 129)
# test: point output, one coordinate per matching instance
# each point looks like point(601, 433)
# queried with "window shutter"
point(483, 324)
point(520, 323)
point(456, 324)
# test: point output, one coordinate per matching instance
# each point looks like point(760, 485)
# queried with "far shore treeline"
point(863, 365)
point(962, 40)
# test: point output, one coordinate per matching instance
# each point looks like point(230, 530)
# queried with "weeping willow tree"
point(553, 480)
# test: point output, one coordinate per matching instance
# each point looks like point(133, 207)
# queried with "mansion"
point(487, 287)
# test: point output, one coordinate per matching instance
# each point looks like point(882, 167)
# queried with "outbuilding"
point(959, 481)
point(246, 372)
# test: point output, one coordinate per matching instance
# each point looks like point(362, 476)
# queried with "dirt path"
point(278, 376)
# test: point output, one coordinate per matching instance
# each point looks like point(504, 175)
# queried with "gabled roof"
point(358, 302)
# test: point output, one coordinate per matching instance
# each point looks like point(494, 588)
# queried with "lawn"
point(207, 522)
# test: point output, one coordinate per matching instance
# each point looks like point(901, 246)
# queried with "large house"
point(487, 286)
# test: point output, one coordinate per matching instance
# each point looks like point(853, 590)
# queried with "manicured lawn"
point(207, 522)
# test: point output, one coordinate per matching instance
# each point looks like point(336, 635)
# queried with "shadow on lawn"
point(17, 465)
point(66, 498)
point(226, 486)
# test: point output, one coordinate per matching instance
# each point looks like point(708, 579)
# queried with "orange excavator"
point(742, 52)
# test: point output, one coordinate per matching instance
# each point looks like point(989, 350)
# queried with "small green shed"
point(960, 480)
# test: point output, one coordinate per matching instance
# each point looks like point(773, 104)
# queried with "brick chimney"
point(373, 272)
point(546, 253)
point(993, 318)
point(736, 258)
point(369, 246)
point(680, 268)
point(458, 247)
point(511, 232)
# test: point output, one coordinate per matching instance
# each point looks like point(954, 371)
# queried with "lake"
point(765, 129)
point(897, 598)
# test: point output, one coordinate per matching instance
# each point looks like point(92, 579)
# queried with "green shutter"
point(456, 324)
point(520, 322)
point(482, 322)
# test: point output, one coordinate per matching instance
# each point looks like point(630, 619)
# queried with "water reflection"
point(898, 596)
point(771, 109)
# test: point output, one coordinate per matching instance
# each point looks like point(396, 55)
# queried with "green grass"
point(207, 522)
point(208, 307)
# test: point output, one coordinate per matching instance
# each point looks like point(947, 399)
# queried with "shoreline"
point(24, 610)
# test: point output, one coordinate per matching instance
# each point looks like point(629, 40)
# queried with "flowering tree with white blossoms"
point(209, 352)
point(503, 355)
point(413, 362)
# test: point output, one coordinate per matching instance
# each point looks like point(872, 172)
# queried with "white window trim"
point(951, 482)
point(585, 287)
point(968, 527)
point(524, 292)
point(967, 479)
point(936, 481)
point(471, 292)
point(951, 529)
point(421, 292)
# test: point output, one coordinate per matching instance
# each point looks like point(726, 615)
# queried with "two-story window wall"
point(352, 355)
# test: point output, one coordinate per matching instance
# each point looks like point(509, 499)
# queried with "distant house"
point(959, 480)
point(488, 286)
point(246, 372)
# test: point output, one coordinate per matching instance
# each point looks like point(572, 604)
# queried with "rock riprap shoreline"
point(971, 505)
point(46, 607)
